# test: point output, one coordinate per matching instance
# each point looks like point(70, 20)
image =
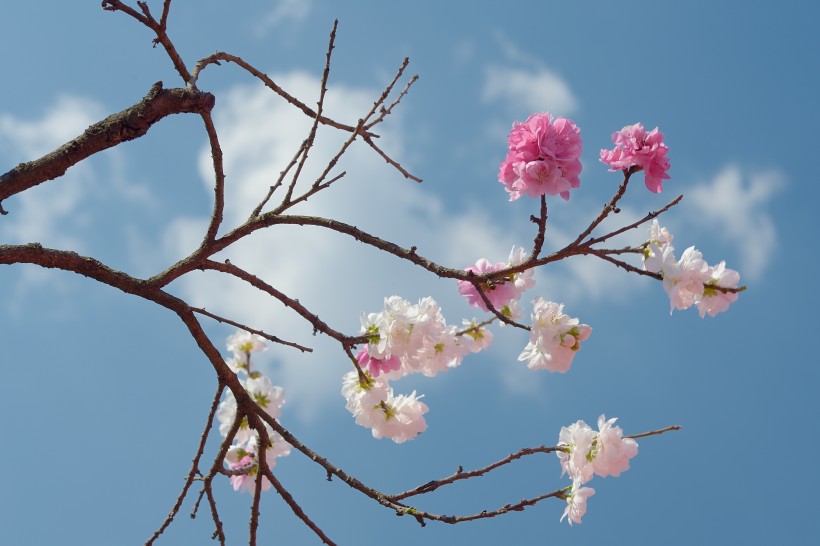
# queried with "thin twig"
point(541, 222)
point(389, 109)
point(297, 510)
point(633, 225)
point(279, 181)
point(654, 432)
point(269, 337)
point(320, 104)
point(194, 467)
point(222, 56)
point(609, 207)
point(318, 324)
point(461, 475)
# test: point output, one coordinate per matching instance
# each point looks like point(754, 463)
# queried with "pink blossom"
point(377, 365)
point(504, 292)
point(543, 157)
point(634, 147)
point(499, 292)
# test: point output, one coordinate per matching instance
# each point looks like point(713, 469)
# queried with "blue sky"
point(105, 396)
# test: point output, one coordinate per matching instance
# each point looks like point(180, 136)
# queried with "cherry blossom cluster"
point(554, 336)
point(242, 456)
point(586, 453)
point(634, 147)
point(689, 280)
point(404, 339)
point(544, 157)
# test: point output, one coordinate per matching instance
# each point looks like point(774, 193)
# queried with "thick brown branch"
point(131, 123)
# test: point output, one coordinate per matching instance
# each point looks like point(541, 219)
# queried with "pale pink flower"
point(659, 234)
point(499, 293)
point(690, 280)
point(475, 338)
point(243, 457)
point(543, 157)
point(259, 387)
point(605, 453)
point(577, 503)
point(503, 292)
point(269, 397)
point(577, 439)
point(716, 301)
point(656, 258)
point(523, 280)
point(684, 281)
point(439, 353)
point(554, 338)
point(658, 253)
point(364, 395)
point(238, 363)
point(241, 343)
point(611, 451)
point(226, 414)
point(634, 147)
point(401, 418)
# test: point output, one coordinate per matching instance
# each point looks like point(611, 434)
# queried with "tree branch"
point(129, 124)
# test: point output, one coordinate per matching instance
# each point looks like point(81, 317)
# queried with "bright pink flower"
point(634, 147)
point(543, 157)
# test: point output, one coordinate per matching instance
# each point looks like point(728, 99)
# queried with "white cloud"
point(40, 214)
point(286, 10)
point(66, 119)
point(533, 90)
point(526, 84)
point(337, 277)
point(734, 205)
point(62, 213)
point(331, 274)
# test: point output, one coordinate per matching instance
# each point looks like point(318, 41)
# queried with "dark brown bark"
point(131, 123)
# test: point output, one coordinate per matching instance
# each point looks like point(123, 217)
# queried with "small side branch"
point(269, 337)
point(609, 207)
point(194, 468)
point(296, 509)
point(461, 475)
point(269, 83)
